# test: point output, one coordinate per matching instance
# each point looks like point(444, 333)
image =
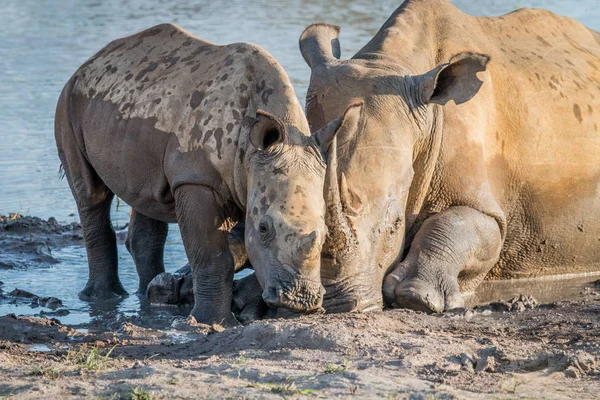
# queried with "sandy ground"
point(505, 350)
point(550, 352)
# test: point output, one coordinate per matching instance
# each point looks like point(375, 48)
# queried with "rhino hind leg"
point(454, 248)
point(145, 242)
point(101, 246)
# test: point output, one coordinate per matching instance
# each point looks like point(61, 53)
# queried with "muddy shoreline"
point(504, 349)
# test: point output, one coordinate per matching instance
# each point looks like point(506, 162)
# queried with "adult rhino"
point(203, 135)
point(477, 154)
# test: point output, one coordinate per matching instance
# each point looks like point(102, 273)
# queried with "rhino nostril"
point(271, 297)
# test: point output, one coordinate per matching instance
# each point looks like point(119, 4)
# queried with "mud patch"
point(29, 330)
point(27, 242)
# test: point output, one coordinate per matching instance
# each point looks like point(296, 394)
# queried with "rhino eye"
point(263, 228)
point(266, 229)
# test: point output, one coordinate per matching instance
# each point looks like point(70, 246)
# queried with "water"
point(42, 42)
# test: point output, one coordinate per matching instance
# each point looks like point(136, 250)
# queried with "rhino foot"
point(420, 295)
point(95, 291)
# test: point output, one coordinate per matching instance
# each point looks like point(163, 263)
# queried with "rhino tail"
point(66, 128)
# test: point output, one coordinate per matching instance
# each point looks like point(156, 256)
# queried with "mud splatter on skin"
point(577, 112)
point(196, 99)
point(169, 54)
point(143, 72)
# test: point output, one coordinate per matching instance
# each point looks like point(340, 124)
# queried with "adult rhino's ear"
point(456, 80)
point(267, 131)
point(319, 44)
point(346, 126)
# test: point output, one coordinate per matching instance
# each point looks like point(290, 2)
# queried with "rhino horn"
point(310, 245)
point(351, 202)
point(338, 198)
point(340, 236)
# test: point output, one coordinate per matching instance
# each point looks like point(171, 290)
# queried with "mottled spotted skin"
point(203, 135)
point(483, 167)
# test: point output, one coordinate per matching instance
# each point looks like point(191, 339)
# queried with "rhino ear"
point(319, 44)
point(456, 80)
point(346, 125)
point(267, 131)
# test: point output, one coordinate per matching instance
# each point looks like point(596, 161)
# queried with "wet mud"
point(27, 242)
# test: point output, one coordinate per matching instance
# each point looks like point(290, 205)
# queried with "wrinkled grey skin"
point(461, 168)
point(203, 135)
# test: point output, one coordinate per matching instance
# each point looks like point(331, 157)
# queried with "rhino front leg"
point(145, 242)
point(200, 219)
point(458, 243)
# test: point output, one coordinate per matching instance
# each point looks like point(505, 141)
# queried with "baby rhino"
point(203, 135)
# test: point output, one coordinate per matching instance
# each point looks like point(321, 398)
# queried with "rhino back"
point(165, 91)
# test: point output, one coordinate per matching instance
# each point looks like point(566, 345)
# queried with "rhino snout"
point(287, 289)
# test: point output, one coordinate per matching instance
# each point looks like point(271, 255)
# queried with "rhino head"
point(285, 208)
point(379, 174)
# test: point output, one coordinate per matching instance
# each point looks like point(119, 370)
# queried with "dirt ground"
point(505, 350)
point(550, 352)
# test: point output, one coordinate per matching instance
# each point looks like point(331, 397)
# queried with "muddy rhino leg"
point(101, 246)
point(93, 200)
point(458, 243)
point(145, 242)
point(200, 220)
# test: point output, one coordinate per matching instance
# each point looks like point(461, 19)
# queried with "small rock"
point(572, 372)
point(467, 362)
point(487, 363)
point(24, 294)
point(584, 362)
point(51, 302)
point(518, 307)
point(499, 306)
point(523, 302)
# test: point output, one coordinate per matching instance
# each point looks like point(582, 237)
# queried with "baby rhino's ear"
point(347, 123)
point(267, 131)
